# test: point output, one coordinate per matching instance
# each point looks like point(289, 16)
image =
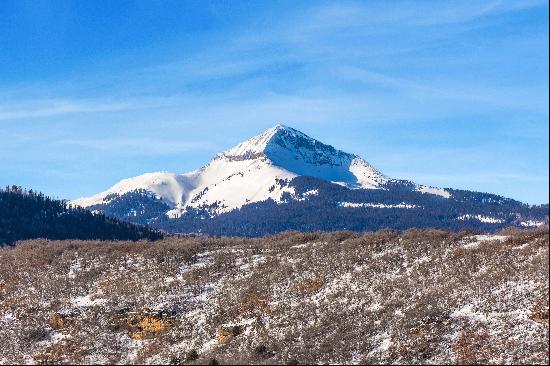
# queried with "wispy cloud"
point(137, 146)
point(332, 16)
point(504, 97)
point(54, 107)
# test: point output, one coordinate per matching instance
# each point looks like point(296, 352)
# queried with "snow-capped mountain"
point(253, 171)
point(283, 179)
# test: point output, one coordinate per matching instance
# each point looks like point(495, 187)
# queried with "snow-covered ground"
point(531, 223)
point(375, 205)
point(475, 240)
point(481, 218)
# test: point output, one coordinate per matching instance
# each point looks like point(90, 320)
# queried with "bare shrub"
point(413, 297)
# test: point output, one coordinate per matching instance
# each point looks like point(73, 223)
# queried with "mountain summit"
point(283, 179)
point(300, 154)
point(254, 171)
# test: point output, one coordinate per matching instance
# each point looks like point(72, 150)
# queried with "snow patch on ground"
point(474, 241)
point(375, 205)
point(86, 301)
point(433, 190)
point(481, 218)
point(531, 223)
point(75, 267)
point(8, 317)
point(469, 311)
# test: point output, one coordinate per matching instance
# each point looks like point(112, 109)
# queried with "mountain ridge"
point(283, 179)
point(280, 152)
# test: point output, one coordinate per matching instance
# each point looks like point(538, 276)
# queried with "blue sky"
point(451, 94)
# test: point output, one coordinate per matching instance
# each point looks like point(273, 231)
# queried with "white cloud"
point(138, 146)
point(53, 107)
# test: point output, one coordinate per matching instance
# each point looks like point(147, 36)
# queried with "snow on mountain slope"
point(172, 188)
point(296, 152)
point(232, 184)
point(433, 190)
point(255, 170)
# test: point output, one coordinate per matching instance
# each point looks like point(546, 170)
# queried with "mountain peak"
point(255, 170)
point(296, 152)
point(275, 138)
point(280, 126)
point(283, 145)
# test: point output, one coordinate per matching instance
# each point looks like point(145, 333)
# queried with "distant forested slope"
point(28, 214)
point(333, 208)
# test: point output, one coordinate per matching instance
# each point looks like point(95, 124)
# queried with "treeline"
point(323, 212)
point(29, 214)
point(326, 211)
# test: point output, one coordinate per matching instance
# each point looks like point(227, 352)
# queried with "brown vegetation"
point(420, 296)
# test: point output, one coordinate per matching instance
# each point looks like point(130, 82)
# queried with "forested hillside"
point(28, 215)
point(316, 205)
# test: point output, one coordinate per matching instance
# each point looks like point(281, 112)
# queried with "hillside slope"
point(28, 215)
point(416, 297)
